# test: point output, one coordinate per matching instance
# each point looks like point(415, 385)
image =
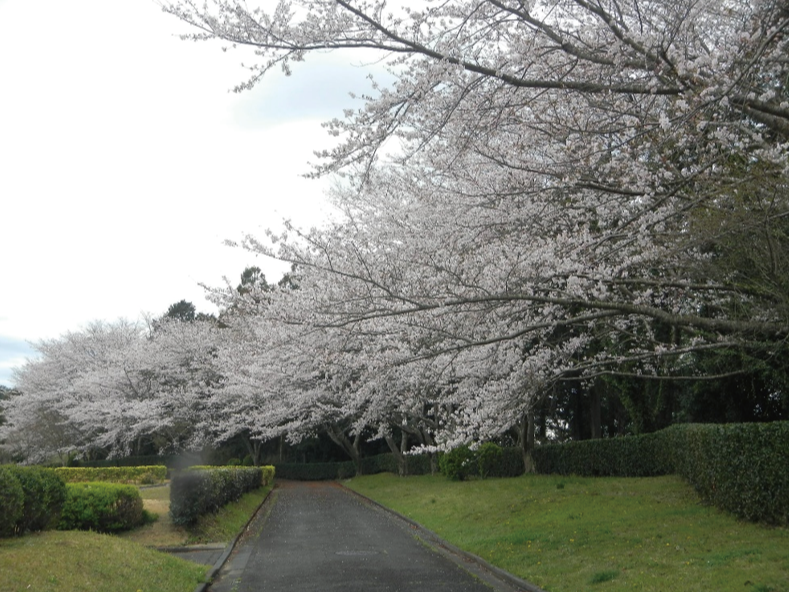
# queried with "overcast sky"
point(125, 162)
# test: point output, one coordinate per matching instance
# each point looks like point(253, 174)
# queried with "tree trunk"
point(525, 430)
point(399, 452)
point(594, 413)
point(253, 449)
point(339, 437)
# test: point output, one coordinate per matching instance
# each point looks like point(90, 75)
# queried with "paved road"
point(321, 537)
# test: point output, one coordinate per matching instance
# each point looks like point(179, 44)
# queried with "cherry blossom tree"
point(636, 125)
point(110, 385)
point(550, 191)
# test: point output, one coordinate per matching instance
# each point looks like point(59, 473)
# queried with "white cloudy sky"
point(125, 162)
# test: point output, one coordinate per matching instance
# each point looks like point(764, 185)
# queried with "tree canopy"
point(554, 197)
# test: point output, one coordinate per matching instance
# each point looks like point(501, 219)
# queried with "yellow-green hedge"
point(149, 475)
point(266, 477)
point(103, 507)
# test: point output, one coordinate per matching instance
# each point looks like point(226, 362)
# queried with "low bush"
point(203, 490)
point(103, 507)
point(141, 475)
point(458, 464)
point(267, 475)
point(12, 501)
point(44, 493)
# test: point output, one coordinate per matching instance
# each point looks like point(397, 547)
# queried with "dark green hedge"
point(194, 493)
point(632, 456)
point(12, 502)
point(31, 499)
point(489, 460)
point(103, 507)
point(315, 471)
point(740, 468)
point(330, 471)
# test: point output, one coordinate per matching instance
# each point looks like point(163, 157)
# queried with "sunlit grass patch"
point(653, 534)
point(75, 561)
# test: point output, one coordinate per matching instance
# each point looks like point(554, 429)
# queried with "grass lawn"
point(570, 534)
point(75, 561)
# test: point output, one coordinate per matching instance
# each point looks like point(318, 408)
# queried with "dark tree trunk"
point(253, 449)
point(399, 452)
point(351, 448)
point(525, 431)
point(595, 421)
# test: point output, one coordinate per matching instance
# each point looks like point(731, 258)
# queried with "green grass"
point(76, 561)
point(573, 534)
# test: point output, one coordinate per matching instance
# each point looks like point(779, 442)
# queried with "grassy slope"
point(84, 561)
point(570, 534)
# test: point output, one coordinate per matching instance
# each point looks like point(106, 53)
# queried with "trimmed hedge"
point(631, 456)
point(12, 502)
point(144, 475)
point(266, 476)
point(44, 494)
point(739, 468)
point(330, 471)
point(171, 461)
point(103, 507)
point(200, 491)
point(31, 499)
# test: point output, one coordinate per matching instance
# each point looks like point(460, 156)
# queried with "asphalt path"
point(322, 537)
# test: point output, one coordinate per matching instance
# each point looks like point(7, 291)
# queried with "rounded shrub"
point(458, 464)
point(103, 507)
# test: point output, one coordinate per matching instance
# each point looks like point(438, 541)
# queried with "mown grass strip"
point(569, 534)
